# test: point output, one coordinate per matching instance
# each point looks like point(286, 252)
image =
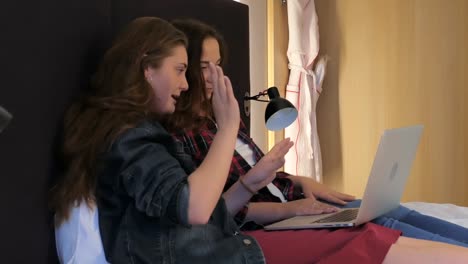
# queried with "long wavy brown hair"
point(193, 101)
point(120, 99)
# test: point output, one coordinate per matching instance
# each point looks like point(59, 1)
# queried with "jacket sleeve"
point(152, 176)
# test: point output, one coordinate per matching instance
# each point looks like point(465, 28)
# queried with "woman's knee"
point(410, 250)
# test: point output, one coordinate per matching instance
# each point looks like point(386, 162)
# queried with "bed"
point(49, 50)
point(449, 212)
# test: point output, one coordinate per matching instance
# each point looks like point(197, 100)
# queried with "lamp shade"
point(279, 112)
point(5, 118)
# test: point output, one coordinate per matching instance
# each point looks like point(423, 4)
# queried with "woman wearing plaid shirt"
point(194, 125)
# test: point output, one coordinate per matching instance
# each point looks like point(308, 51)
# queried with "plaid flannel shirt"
point(198, 144)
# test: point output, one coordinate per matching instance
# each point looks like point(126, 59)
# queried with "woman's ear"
point(148, 75)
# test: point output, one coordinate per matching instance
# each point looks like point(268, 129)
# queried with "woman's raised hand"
point(264, 171)
point(225, 105)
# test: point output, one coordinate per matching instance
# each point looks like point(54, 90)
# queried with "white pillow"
point(78, 240)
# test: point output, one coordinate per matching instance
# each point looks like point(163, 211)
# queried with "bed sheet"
point(449, 212)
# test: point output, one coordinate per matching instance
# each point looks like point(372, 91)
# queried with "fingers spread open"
point(221, 83)
point(229, 90)
point(281, 148)
point(213, 74)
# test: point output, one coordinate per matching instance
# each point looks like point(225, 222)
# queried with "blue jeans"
point(417, 225)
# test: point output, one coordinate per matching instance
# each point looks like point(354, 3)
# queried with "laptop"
point(385, 185)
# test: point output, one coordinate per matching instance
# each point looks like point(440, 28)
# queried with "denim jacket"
point(142, 194)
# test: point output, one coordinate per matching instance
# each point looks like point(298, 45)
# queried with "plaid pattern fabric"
point(198, 144)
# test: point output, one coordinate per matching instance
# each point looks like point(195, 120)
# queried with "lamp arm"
point(256, 97)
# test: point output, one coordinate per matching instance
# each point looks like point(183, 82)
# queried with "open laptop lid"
point(390, 171)
point(387, 179)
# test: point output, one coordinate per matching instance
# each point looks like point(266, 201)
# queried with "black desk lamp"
point(279, 112)
point(5, 118)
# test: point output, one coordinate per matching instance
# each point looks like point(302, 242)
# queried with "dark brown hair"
point(120, 99)
point(193, 102)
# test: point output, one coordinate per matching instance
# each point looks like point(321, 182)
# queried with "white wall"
point(258, 67)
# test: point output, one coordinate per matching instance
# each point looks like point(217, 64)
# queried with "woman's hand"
point(214, 170)
point(225, 106)
point(316, 190)
point(308, 206)
point(265, 170)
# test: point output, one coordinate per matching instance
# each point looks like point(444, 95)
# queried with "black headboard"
point(49, 50)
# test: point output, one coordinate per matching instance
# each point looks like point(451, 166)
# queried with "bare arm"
point(258, 177)
point(207, 182)
point(268, 212)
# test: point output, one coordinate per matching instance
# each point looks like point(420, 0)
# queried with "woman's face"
point(168, 81)
point(210, 53)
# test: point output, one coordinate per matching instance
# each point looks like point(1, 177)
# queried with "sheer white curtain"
point(304, 88)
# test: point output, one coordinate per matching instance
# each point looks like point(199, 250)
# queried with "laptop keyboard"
point(343, 216)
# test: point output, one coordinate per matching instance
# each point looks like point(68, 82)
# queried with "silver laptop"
point(387, 179)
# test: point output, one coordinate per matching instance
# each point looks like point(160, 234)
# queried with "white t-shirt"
point(78, 239)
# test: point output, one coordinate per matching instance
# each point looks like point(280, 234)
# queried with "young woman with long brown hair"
point(154, 205)
point(195, 126)
point(152, 202)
